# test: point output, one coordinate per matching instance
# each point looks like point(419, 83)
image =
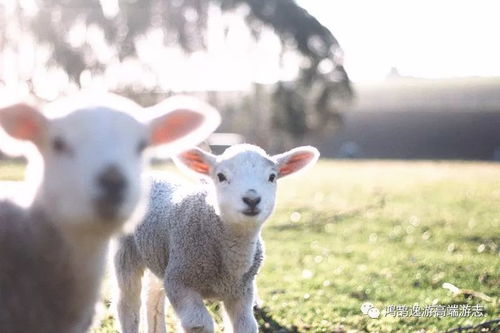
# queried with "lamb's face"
point(92, 151)
point(245, 187)
point(245, 177)
point(93, 161)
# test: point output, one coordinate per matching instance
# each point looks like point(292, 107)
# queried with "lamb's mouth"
point(108, 208)
point(251, 212)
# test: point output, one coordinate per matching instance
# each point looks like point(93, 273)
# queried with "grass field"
point(389, 233)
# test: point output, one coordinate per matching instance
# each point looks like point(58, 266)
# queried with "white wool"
point(204, 242)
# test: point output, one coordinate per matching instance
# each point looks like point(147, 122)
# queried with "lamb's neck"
point(86, 247)
point(88, 257)
point(85, 254)
point(239, 246)
point(88, 254)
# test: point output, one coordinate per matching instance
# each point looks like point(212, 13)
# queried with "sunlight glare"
point(433, 39)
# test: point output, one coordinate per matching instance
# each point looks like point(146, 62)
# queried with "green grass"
point(390, 233)
point(11, 170)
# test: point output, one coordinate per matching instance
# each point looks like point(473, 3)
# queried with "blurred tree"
point(311, 103)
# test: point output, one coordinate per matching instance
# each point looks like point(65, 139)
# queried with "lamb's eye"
point(60, 146)
point(141, 146)
point(221, 177)
point(272, 177)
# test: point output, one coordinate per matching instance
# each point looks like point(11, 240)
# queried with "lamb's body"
point(30, 239)
point(53, 252)
point(44, 289)
point(198, 248)
point(203, 243)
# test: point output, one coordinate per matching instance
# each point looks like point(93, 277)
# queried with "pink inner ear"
point(22, 122)
point(195, 162)
point(294, 163)
point(176, 125)
point(29, 128)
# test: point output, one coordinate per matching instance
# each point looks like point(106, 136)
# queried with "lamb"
point(203, 243)
point(52, 252)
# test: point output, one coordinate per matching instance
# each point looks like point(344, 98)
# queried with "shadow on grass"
point(267, 324)
point(488, 326)
point(318, 221)
point(484, 244)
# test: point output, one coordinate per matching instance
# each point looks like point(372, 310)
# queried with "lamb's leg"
point(128, 272)
point(189, 307)
point(240, 313)
point(155, 304)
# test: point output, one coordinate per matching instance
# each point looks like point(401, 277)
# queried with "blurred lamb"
point(52, 253)
point(204, 243)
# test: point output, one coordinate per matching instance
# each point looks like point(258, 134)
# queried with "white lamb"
point(52, 253)
point(204, 243)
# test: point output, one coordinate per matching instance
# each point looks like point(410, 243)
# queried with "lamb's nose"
point(112, 182)
point(251, 199)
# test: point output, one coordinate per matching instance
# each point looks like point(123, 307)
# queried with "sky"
point(424, 38)
point(420, 38)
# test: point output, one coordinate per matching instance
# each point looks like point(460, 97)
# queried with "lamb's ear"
point(295, 160)
point(196, 160)
point(185, 122)
point(23, 122)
